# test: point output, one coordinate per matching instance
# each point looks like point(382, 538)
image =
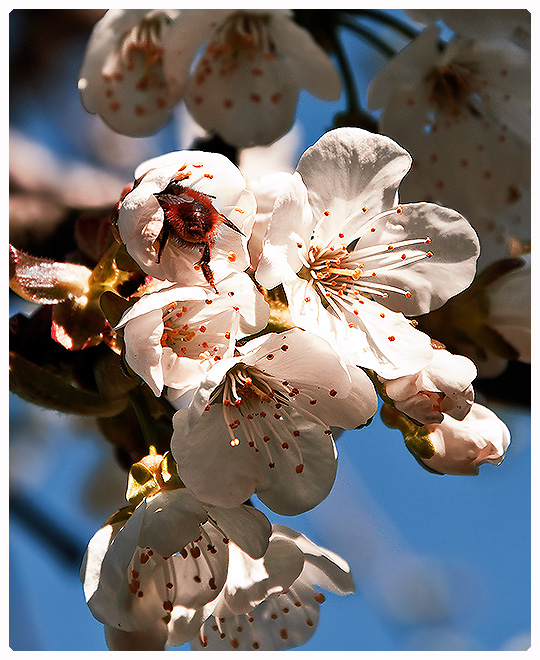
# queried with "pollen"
point(399, 209)
point(202, 328)
point(391, 338)
point(299, 245)
point(299, 468)
point(307, 299)
point(208, 175)
point(232, 257)
point(429, 254)
point(333, 393)
point(235, 442)
point(326, 212)
point(373, 229)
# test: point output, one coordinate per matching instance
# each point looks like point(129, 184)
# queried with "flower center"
point(342, 275)
point(451, 86)
point(141, 48)
point(256, 409)
point(203, 340)
point(243, 33)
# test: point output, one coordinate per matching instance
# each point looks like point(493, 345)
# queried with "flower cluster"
point(263, 357)
point(246, 322)
point(139, 64)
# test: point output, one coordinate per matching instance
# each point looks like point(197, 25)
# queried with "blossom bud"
point(460, 447)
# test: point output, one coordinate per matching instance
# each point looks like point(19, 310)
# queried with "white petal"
point(449, 268)
point(244, 108)
point(346, 170)
point(151, 639)
point(287, 491)
point(325, 568)
point(214, 470)
point(183, 40)
point(310, 63)
point(142, 340)
point(171, 521)
point(291, 224)
point(133, 100)
point(247, 527)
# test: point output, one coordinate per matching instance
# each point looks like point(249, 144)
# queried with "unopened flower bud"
point(460, 447)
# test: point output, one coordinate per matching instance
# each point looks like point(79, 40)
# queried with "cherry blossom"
point(442, 388)
point(170, 552)
point(505, 330)
point(459, 447)
point(338, 240)
point(122, 78)
point(268, 171)
point(482, 24)
point(260, 423)
point(282, 586)
point(173, 336)
point(188, 185)
point(510, 308)
point(463, 111)
point(245, 85)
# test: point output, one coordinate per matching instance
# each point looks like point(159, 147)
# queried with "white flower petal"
point(349, 169)
point(444, 237)
point(121, 78)
point(310, 63)
point(247, 527)
point(171, 521)
point(288, 234)
point(214, 470)
point(243, 107)
point(151, 639)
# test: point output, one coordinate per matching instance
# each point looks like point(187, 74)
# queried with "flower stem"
point(386, 19)
point(348, 77)
point(146, 422)
point(369, 37)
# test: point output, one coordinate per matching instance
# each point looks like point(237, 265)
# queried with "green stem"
point(348, 77)
point(386, 19)
point(140, 407)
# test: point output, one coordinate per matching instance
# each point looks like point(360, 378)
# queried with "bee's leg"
point(161, 240)
point(204, 264)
